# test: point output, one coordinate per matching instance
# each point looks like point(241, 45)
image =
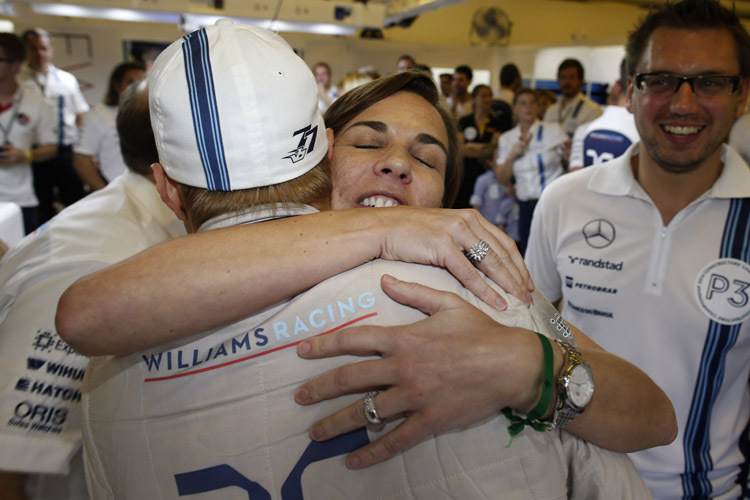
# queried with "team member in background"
point(55, 180)
point(497, 203)
point(510, 83)
point(529, 156)
point(611, 134)
point(480, 132)
point(446, 84)
point(97, 157)
point(41, 376)
point(460, 101)
point(650, 252)
point(573, 108)
point(327, 91)
point(28, 131)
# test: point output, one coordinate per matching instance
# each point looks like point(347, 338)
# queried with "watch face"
point(580, 386)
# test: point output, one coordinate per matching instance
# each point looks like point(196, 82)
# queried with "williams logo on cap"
point(301, 150)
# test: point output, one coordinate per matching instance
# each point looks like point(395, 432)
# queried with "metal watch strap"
point(564, 413)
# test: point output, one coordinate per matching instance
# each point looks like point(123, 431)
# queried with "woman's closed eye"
point(423, 161)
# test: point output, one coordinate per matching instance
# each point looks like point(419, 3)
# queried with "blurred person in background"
point(97, 157)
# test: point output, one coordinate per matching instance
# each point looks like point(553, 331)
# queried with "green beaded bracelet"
point(517, 423)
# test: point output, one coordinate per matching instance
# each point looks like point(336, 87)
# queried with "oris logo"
point(599, 233)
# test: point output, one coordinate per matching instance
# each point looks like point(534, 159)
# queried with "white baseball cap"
point(233, 107)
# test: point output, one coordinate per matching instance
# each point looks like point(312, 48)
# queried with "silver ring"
point(478, 252)
point(371, 413)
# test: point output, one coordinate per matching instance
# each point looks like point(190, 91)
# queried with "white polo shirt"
point(61, 91)
point(542, 162)
point(578, 111)
point(41, 377)
point(603, 139)
point(672, 300)
point(215, 414)
point(99, 138)
point(29, 121)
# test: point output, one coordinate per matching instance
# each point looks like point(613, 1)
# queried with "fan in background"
point(490, 26)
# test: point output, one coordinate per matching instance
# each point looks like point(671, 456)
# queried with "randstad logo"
point(305, 146)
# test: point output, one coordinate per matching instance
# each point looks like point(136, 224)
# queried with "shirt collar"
point(616, 178)
point(257, 214)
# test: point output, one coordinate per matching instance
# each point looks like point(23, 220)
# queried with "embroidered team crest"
point(723, 291)
point(23, 118)
point(306, 143)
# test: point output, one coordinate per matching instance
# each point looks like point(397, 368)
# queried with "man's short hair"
point(465, 70)
point(690, 15)
point(38, 32)
point(137, 143)
point(446, 75)
point(623, 75)
point(13, 47)
point(202, 205)
point(508, 74)
point(571, 63)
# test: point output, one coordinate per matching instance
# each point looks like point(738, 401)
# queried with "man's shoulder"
point(568, 187)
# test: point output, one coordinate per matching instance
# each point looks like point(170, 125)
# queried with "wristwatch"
point(575, 386)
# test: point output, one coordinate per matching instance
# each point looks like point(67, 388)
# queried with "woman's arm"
point(458, 367)
point(205, 280)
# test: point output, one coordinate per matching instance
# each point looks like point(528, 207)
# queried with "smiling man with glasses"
point(670, 291)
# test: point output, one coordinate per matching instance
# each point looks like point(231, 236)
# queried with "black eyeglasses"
point(702, 85)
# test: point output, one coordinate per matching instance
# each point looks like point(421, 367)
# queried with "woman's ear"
point(168, 191)
point(329, 136)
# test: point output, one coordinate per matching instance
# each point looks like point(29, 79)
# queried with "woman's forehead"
point(405, 109)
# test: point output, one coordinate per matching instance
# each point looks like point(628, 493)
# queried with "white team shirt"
point(603, 139)
point(578, 111)
point(215, 414)
point(739, 137)
point(672, 300)
point(41, 377)
point(99, 138)
point(62, 93)
point(28, 122)
point(332, 93)
point(542, 162)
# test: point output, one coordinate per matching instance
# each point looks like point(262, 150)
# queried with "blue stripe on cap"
point(720, 339)
point(205, 111)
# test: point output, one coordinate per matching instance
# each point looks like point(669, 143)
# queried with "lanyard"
point(13, 117)
point(561, 118)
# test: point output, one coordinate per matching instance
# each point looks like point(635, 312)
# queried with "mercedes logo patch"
point(599, 233)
